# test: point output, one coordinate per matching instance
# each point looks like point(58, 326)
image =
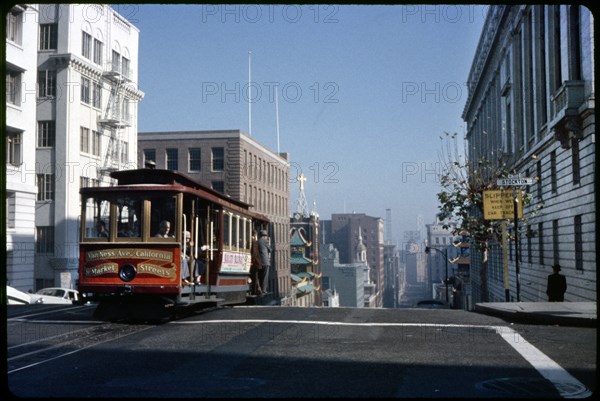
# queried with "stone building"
point(237, 165)
point(531, 105)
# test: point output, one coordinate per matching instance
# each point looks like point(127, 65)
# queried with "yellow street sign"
point(499, 205)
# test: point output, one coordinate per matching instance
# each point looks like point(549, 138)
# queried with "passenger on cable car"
point(164, 230)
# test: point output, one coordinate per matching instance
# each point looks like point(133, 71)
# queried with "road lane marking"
point(550, 370)
point(562, 380)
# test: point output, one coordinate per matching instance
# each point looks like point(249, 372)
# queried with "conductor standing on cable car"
point(264, 249)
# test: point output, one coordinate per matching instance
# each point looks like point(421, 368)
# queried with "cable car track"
point(33, 353)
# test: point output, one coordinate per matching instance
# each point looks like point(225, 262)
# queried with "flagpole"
point(249, 93)
point(277, 115)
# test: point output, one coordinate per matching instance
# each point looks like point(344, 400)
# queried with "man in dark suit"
point(557, 285)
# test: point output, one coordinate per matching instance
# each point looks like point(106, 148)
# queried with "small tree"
point(461, 199)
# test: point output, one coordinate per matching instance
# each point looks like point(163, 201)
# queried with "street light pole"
point(445, 253)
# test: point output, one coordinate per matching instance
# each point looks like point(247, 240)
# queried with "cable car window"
point(243, 232)
point(227, 230)
point(97, 218)
point(234, 232)
point(129, 217)
point(162, 220)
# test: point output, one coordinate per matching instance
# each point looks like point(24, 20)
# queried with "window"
point(195, 160)
point(116, 61)
point(48, 36)
point(13, 148)
point(574, 43)
point(13, 87)
point(46, 83)
point(125, 67)
point(578, 243)
point(553, 170)
point(96, 143)
point(149, 155)
point(97, 95)
point(125, 110)
point(227, 230)
point(45, 184)
point(44, 241)
point(84, 140)
point(98, 50)
point(538, 169)
point(172, 159)
point(86, 45)
point(541, 242)
point(10, 209)
point(218, 186)
point(85, 90)
point(218, 159)
point(555, 241)
point(576, 164)
point(46, 134)
point(14, 26)
point(124, 152)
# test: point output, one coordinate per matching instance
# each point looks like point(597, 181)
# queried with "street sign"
point(514, 181)
point(499, 205)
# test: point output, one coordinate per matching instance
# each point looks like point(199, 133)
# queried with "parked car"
point(55, 295)
point(16, 297)
point(432, 304)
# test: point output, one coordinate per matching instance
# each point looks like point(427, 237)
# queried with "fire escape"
point(115, 117)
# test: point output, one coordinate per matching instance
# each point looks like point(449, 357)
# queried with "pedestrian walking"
point(557, 285)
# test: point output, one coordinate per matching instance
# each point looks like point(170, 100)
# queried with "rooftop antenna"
point(250, 93)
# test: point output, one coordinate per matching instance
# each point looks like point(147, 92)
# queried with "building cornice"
point(216, 134)
point(70, 60)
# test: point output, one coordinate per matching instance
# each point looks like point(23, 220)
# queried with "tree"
point(461, 198)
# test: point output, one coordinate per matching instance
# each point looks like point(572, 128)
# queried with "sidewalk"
point(578, 314)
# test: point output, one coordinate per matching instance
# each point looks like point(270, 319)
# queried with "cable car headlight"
point(127, 272)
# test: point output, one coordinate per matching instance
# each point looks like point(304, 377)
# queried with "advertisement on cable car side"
point(149, 263)
point(235, 262)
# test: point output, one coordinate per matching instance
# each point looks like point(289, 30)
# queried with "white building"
point(21, 63)
point(86, 122)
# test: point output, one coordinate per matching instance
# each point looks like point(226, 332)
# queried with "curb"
point(536, 317)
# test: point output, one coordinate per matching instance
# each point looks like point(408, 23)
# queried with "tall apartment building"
point(20, 136)
point(87, 61)
point(531, 105)
point(234, 164)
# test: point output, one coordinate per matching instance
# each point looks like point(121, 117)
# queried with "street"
point(296, 352)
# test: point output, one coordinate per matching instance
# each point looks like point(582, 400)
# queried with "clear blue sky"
point(364, 92)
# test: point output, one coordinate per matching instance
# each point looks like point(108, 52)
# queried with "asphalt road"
point(297, 352)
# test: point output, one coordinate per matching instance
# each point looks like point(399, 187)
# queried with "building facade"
point(72, 97)
point(234, 164)
point(343, 231)
point(440, 239)
point(346, 279)
point(20, 137)
point(531, 106)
